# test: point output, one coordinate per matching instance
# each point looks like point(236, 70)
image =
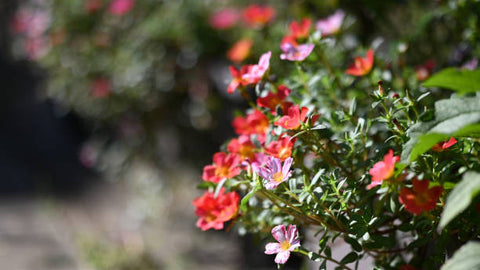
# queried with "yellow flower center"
point(285, 245)
point(277, 177)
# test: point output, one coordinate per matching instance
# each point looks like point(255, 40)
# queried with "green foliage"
point(453, 117)
point(461, 197)
point(467, 257)
point(462, 81)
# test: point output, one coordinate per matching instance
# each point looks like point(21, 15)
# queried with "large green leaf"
point(460, 197)
point(453, 117)
point(462, 81)
point(466, 258)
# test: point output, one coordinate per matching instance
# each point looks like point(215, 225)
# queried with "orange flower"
point(293, 118)
point(240, 50)
point(383, 170)
point(281, 148)
point(257, 16)
point(254, 123)
point(272, 100)
point(224, 166)
point(213, 212)
point(420, 198)
point(300, 30)
point(442, 146)
point(361, 66)
point(243, 147)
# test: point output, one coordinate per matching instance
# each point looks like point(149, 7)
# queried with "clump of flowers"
point(213, 211)
point(307, 151)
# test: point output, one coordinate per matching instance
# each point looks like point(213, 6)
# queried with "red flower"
point(420, 198)
point(293, 118)
point(383, 170)
point(422, 72)
point(238, 78)
point(224, 166)
point(92, 5)
point(300, 30)
point(224, 18)
point(257, 15)
point(240, 50)
point(282, 148)
point(407, 267)
point(243, 147)
point(272, 100)
point(442, 146)
point(101, 88)
point(213, 212)
point(361, 66)
point(254, 123)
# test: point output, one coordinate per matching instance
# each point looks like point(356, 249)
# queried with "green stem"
point(306, 253)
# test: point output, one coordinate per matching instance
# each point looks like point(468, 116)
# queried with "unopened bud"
point(381, 91)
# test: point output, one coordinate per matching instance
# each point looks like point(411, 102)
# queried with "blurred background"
point(111, 108)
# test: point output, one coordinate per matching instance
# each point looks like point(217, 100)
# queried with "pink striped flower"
point(274, 173)
point(287, 241)
point(293, 52)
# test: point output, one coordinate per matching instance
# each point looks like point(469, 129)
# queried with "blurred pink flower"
point(224, 18)
point(120, 7)
point(331, 24)
point(256, 72)
point(36, 48)
point(287, 241)
point(31, 22)
point(274, 173)
point(293, 52)
point(471, 64)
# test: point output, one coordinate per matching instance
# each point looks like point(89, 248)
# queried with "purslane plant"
point(320, 148)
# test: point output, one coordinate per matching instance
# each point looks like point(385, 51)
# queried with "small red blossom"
point(120, 7)
point(101, 88)
point(272, 100)
point(383, 170)
point(92, 5)
point(422, 72)
point(257, 16)
point(213, 212)
point(224, 166)
point(224, 18)
point(254, 123)
point(293, 119)
point(407, 267)
point(300, 30)
point(243, 147)
point(240, 50)
point(237, 76)
point(442, 146)
point(281, 148)
point(361, 65)
point(420, 198)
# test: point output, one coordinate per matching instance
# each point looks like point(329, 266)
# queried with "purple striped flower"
point(293, 52)
point(287, 241)
point(274, 173)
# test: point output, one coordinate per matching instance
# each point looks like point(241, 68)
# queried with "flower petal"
point(279, 232)
point(282, 257)
point(272, 248)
